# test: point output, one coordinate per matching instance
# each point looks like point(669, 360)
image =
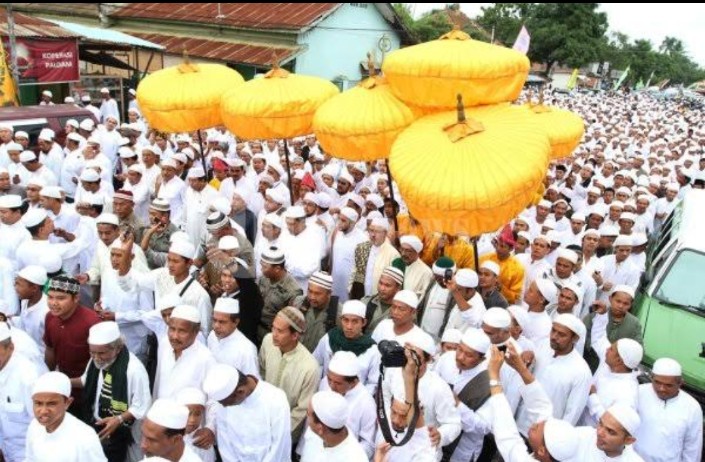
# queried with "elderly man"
point(17, 376)
point(371, 259)
point(287, 364)
point(116, 390)
point(562, 372)
point(182, 361)
point(304, 246)
point(55, 434)
point(417, 274)
point(163, 432)
point(278, 287)
point(156, 238)
point(511, 270)
point(227, 343)
point(469, 307)
point(671, 420)
point(263, 406)
point(620, 322)
point(320, 308)
point(344, 241)
point(378, 305)
point(488, 285)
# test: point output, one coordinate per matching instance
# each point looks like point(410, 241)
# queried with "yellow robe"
point(460, 251)
point(511, 276)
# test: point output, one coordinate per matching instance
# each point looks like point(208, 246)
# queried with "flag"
point(648, 82)
point(8, 90)
point(522, 42)
point(573, 80)
point(622, 78)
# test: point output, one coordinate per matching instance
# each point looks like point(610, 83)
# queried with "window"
point(683, 283)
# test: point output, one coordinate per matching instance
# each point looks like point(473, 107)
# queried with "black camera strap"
point(382, 415)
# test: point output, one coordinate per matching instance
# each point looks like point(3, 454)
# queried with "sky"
point(645, 21)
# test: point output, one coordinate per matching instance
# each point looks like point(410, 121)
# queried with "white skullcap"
point(630, 351)
point(476, 340)
point(4, 331)
point(220, 382)
point(629, 290)
point(420, 339)
point(296, 212)
point(545, 204)
point(179, 236)
point(561, 439)
point(274, 220)
point(35, 274)
point(187, 313)
point(33, 217)
point(623, 241)
point(12, 146)
point(491, 266)
point(183, 248)
point(667, 367)
point(323, 200)
point(168, 413)
point(551, 225)
point(673, 187)
point(452, 336)
point(105, 90)
point(553, 237)
point(47, 93)
point(578, 217)
point(345, 176)
point(222, 205)
point(169, 163)
point(357, 200)
point(542, 237)
point(107, 219)
point(628, 216)
point(525, 235)
point(344, 363)
point(137, 168)
point(228, 243)
point(51, 261)
point(88, 125)
point(407, 297)
point(548, 289)
point(89, 175)
point(350, 214)
point(53, 192)
point(191, 396)
point(380, 223)
point(103, 333)
point(466, 278)
point(354, 308)
point(276, 166)
point(499, 318)
point(567, 254)
point(6, 126)
point(22, 134)
point(169, 300)
point(627, 417)
point(639, 239)
point(179, 156)
point(412, 241)
point(277, 196)
point(53, 382)
point(196, 172)
point(227, 306)
point(591, 232)
point(330, 408)
point(73, 136)
point(10, 201)
point(27, 156)
point(572, 322)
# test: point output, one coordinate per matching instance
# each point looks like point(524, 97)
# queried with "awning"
point(97, 34)
point(257, 54)
point(103, 59)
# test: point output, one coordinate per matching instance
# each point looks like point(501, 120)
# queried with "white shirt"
point(670, 431)
point(72, 441)
point(140, 195)
point(343, 260)
point(173, 375)
point(619, 273)
point(267, 435)
point(31, 320)
point(303, 253)
point(589, 452)
point(42, 174)
point(7, 287)
point(11, 236)
point(235, 350)
point(532, 269)
point(71, 168)
point(418, 449)
point(109, 108)
point(435, 311)
point(385, 331)
point(472, 317)
point(538, 326)
point(17, 378)
point(349, 450)
point(174, 191)
point(368, 364)
point(196, 210)
point(138, 395)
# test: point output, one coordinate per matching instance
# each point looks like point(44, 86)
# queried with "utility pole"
point(13, 46)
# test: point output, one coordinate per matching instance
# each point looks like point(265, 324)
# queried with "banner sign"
point(47, 61)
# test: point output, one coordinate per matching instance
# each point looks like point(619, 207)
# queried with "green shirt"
point(380, 313)
point(630, 327)
point(276, 295)
point(316, 322)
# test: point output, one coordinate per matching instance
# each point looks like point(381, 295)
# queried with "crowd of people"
point(172, 301)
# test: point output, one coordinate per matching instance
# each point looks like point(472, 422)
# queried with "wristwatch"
point(495, 383)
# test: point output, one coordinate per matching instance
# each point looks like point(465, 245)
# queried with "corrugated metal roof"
point(106, 35)
point(234, 52)
point(291, 16)
point(28, 26)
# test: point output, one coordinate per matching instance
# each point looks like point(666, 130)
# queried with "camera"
point(392, 353)
point(502, 348)
point(448, 275)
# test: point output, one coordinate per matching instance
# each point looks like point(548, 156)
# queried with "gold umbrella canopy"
point(279, 105)
point(361, 124)
point(470, 176)
point(429, 74)
point(186, 97)
point(564, 128)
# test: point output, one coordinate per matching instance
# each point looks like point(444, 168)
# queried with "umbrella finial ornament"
point(464, 127)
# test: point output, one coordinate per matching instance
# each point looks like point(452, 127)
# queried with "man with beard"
point(343, 242)
point(116, 389)
point(417, 274)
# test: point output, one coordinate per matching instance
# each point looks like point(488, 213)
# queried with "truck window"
point(33, 131)
point(682, 285)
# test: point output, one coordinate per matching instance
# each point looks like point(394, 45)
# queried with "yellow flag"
point(573, 80)
point(8, 90)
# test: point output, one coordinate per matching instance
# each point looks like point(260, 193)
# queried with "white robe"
point(235, 350)
point(17, 378)
point(349, 450)
point(173, 375)
point(196, 210)
point(303, 254)
point(11, 236)
point(618, 274)
point(343, 260)
point(72, 441)
point(589, 452)
point(368, 364)
point(174, 191)
point(31, 320)
point(472, 317)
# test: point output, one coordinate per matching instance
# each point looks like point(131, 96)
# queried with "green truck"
point(671, 299)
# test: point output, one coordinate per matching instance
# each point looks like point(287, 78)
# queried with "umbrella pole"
point(288, 171)
point(203, 155)
point(477, 257)
point(391, 196)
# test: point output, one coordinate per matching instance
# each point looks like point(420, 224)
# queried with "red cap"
point(507, 236)
point(308, 182)
point(218, 164)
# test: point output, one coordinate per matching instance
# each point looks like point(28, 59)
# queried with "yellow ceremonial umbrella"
point(361, 124)
point(564, 128)
point(427, 75)
point(472, 174)
point(279, 105)
point(186, 97)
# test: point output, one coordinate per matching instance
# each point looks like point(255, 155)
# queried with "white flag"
point(522, 42)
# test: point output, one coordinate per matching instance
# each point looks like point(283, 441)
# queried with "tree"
point(429, 26)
